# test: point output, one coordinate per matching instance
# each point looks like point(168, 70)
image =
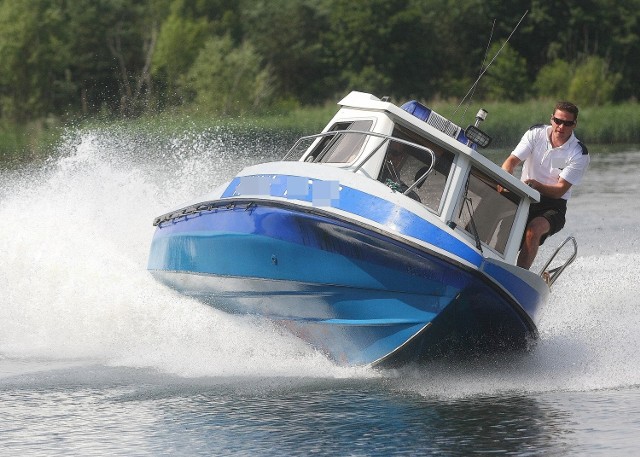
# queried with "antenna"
point(494, 58)
point(484, 59)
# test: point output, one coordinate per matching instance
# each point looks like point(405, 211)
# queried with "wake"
point(74, 241)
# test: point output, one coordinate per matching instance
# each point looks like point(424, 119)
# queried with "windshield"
point(405, 165)
point(487, 210)
point(342, 147)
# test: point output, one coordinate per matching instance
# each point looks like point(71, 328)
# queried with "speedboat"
point(387, 238)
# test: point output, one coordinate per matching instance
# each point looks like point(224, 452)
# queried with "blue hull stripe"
point(261, 229)
point(281, 243)
point(380, 211)
point(276, 243)
point(355, 202)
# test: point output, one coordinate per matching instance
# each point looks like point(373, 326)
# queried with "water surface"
point(96, 358)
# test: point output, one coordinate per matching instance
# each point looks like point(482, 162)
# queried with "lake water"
point(98, 359)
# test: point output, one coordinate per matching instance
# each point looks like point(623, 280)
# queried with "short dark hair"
point(568, 107)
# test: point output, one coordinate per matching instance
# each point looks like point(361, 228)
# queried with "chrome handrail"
point(385, 138)
point(550, 276)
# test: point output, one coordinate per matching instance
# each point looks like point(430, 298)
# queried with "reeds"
point(506, 123)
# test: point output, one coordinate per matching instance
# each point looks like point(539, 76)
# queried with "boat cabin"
point(416, 152)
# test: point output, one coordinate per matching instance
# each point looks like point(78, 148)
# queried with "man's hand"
point(549, 190)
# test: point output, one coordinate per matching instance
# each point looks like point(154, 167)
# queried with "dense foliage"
point(128, 57)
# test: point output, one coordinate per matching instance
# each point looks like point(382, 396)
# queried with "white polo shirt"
point(546, 164)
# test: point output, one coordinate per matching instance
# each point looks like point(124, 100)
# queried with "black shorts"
point(553, 210)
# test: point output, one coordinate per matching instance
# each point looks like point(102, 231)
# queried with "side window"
point(405, 164)
point(342, 147)
point(485, 210)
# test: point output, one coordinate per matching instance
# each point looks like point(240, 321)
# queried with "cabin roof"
point(365, 101)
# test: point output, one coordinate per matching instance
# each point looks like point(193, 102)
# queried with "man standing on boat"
point(554, 161)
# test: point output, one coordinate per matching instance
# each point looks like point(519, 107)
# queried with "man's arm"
point(511, 163)
point(550, 190)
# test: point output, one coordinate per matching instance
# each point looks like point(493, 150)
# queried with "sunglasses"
point(563, 122)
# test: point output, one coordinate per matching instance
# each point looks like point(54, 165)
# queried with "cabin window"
point(341, 147)
point(487, 211)
point(405, 164)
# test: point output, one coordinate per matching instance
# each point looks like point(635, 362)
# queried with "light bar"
point(477, 136)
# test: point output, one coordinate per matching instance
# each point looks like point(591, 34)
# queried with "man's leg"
point(536, 229)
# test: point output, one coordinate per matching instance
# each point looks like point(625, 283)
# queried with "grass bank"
point(27, 141)
point(506, 122)
point(604, 125)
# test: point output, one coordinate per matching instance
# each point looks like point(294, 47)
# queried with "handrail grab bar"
point(372, 153)
point(553, 274)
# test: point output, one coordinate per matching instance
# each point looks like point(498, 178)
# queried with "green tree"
point(89, 70)
point(553, 80)
point(33, 57)
point(582, 28)
point(226, 79)
point(111, 43)
point(507, 78)
point(593, 83)
point(131, 36)
point(622, 30)
point(289, 37)
point(222, 15)
point(126, 56)
point(67, 57)
point(386, 47)
point(179, 42)
point(188, 24)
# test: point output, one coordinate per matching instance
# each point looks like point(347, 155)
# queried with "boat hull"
point(361, 295)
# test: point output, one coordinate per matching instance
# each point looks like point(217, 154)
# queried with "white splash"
point(74, 241)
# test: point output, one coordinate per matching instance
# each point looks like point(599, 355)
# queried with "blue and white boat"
point(385, 239)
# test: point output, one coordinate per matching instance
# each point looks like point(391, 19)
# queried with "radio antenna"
point(484, 59)
point(473, 86)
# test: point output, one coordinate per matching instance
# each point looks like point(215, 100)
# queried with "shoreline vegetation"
point(598, 126)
